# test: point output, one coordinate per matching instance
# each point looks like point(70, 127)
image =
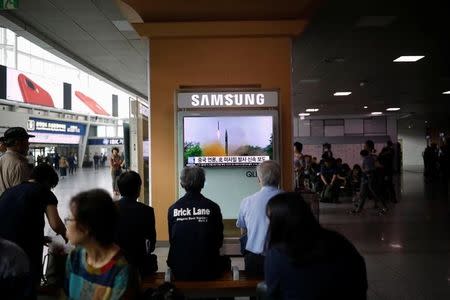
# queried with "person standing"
point(327, 151)
point(298, 165)
point(2, 149)
point(386, 159)
point(22, 210)
point(368, 183)
point(63, 165)
point(71, 162)
point(252, 219)
point(13, 164)
point(195, 232)
point(75, 162)
point(328, 175)
point(31, 160)
point(116, 162)
point(56, 159)
point(96, 160)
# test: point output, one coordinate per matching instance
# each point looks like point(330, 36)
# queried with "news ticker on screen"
point(213, 161)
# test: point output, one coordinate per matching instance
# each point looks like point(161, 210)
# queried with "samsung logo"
point(241, 99)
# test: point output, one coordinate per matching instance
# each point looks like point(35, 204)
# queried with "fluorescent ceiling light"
point(446, 93)
point(366, 107)
point(376, 113)
point(409, 58)
point(342, 93)
point(304, 114)
point(312, 110)
point(393, 109)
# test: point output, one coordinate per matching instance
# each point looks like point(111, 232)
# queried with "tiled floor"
point(407, 251)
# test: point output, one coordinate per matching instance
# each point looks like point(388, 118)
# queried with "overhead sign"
point(230, 99)
point(112, 142)
point(55, 138)
point(9, 4)
point(52, 126)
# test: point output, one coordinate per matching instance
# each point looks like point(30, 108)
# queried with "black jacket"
point(196, 236)
point(136, 226)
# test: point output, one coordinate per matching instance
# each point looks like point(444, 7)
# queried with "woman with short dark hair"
point(116, 163)
point(22, 210)
point(97, 267)
point(306, 261)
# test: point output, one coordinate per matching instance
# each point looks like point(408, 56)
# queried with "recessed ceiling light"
point(446, 93)
point(312, 110)
point(393, 109)
point(409, 58)
point(366, 107)
point(304, 114)
point(376, 113)
point(342, 93)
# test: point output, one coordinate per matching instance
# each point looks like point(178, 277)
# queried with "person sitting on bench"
point(195, 232)
point(136, 227)
point(306, 261)
point(252, 219)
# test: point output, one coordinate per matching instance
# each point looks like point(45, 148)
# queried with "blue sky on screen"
point(242, 130)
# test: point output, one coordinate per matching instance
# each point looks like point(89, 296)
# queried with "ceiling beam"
point(221, 29)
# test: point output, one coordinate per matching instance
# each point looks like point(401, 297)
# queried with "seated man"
point(136, 228)
point(195, 232)
point(252, 219)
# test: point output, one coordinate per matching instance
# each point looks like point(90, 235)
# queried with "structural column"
point(211, 54)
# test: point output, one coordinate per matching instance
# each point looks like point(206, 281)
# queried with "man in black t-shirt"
point(22, 210)
point(195, 232)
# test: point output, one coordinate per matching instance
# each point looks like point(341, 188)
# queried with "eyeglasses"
point(67, 220)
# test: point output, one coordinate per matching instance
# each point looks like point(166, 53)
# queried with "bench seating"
point(221, 287)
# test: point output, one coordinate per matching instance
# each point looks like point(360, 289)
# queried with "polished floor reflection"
point(407, 251)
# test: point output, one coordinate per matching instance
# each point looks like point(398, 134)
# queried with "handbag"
point(54, 273)
point(327, 194)
point(117, 172)
point(150, 264)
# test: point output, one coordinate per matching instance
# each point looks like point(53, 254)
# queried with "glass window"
point(110, 131)
point(375, 126)
point(101, 131)
point(120, 131)
point(317, 128)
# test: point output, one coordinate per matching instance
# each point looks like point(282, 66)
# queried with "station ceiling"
point(91, 34)
point(349, 45)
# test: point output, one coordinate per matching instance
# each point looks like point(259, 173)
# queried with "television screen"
point(228, 140)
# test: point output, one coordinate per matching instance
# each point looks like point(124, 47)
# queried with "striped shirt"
point(114, 280)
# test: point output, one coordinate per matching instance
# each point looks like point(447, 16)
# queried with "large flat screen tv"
point(227, 141)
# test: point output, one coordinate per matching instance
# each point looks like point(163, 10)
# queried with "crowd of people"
point(331, 178)
point(282, 242)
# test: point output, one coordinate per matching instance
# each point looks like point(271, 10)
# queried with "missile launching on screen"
point(218, 131)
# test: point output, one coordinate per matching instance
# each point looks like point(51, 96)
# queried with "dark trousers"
point(368, 188)
point(390, 189)
point(254, 264)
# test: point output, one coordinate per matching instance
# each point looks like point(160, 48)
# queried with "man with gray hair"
point(252, 219)
point(195, 232)
point(14, 167)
